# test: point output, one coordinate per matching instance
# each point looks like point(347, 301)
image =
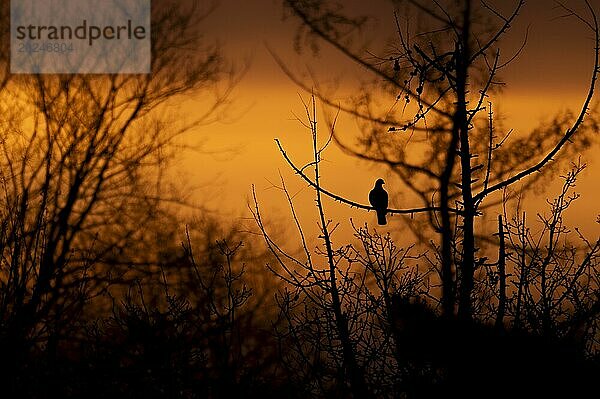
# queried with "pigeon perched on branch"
point(378, 198)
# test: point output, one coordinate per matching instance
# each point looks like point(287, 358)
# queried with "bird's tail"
point(381, 218)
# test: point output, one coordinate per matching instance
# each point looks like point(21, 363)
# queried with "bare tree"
point(337, 302)
point(446, 77)
point(359, 317)
point(553, 289)
point(540, 297)
point(81, 174)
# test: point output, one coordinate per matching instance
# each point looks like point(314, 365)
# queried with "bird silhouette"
point(378, 198)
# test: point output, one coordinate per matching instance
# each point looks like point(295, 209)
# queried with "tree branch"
point(353, 204)
point(569, 133)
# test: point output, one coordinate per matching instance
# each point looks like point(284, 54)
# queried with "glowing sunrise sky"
point(551, 75)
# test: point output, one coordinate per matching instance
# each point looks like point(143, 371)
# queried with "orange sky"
point(550, 76)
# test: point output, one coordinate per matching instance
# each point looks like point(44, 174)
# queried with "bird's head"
point(379, 182)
